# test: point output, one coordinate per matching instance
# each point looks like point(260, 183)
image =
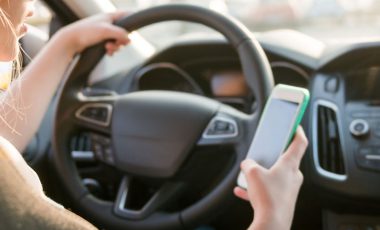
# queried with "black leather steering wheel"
point(151, 134)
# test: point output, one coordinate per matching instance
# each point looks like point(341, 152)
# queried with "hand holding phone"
point(268, 187)
point(282, 114)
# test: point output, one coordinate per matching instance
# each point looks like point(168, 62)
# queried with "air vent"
point(329, 152)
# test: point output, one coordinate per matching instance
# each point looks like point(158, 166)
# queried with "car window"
point(42, 17)
point(328, 20)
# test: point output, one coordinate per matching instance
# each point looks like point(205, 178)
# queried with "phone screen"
point(272, 135)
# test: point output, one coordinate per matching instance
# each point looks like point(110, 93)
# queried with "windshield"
point(327, 20)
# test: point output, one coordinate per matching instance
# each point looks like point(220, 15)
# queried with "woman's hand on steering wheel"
point(90, 31)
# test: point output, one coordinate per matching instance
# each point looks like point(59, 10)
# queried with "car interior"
point(152, 137)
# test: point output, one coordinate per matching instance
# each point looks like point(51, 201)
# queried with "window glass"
point(328, 20)
point(42, 16)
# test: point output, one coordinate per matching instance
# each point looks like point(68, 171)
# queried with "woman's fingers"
point(118, 15)
point(273, 192)
point(251, 169)
point(296, 149)
point(241, 193)
point(118, 34)
point(112, 47)
point(114, 32)
point(253, 173)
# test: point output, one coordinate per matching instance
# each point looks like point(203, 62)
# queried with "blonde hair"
point(17, 63)
point(12, 102)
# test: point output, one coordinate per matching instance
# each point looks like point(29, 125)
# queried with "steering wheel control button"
point(359, 128)
point(98, 151)
point(95, 113)
point(100, 139)
point(99, 114)
point(221, 127)
point(101, 146)
point(108, 156)
point(87, 156)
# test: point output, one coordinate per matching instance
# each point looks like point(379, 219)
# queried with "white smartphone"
point(282, 114)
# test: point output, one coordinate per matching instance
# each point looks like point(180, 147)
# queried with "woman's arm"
point(273, 193)
point(23, 105)
point(23, 202)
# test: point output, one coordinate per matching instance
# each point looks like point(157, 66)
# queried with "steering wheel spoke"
point(155, 202)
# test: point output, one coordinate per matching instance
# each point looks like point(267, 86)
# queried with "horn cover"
point(154, 131)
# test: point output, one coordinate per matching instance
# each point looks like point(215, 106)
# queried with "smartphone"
point(282, 114)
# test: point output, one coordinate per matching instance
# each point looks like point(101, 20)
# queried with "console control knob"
point(359, 127)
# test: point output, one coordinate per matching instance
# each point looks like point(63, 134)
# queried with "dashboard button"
point(368, 157)
point(359, 128)
point(365, 114)
point(365, 151)
point(332, 85)
point(361, 157)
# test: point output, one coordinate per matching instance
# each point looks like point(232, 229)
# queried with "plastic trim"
point(320, 170)
point(166, 65)
point(90, 120)
point(217, 136)
point(288, 65)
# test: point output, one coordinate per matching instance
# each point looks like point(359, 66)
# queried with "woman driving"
point(23, 204)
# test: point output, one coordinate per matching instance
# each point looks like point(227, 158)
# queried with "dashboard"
point(343, 80)
point(221, 82)
point(214, 75)
point(341, 167)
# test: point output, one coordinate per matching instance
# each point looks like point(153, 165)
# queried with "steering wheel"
point(152, 134)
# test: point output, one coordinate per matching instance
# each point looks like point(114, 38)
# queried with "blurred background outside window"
point(328, 20)
point(42, 16)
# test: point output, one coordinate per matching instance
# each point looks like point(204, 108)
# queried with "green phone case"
point(303, 107)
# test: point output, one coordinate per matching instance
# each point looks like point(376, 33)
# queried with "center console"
point(362, 111)
point(344, 125)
